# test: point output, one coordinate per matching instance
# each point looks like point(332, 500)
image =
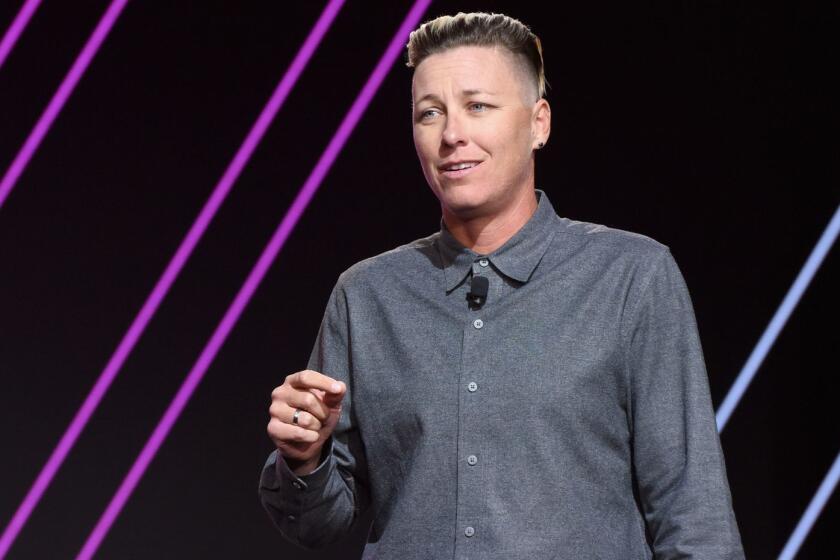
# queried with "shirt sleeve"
point(319, 508)
point(677, 458)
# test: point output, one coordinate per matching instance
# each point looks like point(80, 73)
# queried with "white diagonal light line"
point(812, 512)
point(778, 322)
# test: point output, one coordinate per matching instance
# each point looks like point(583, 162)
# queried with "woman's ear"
point(541, 123)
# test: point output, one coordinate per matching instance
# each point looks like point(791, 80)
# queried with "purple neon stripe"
point(60, 97)
point(17, 27)
point(251, 284)
point(170, 274)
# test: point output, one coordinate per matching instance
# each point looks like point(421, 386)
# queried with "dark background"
point(709, 126)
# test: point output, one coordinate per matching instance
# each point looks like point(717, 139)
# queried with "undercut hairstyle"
point(480, 29)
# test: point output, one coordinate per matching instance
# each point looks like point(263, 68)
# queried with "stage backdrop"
point(710, 127)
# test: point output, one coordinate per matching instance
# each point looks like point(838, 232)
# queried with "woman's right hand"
point(319, 398)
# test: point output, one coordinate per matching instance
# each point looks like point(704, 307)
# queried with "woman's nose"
point(454, 132)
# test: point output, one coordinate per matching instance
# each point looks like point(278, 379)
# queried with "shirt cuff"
point(316, 479)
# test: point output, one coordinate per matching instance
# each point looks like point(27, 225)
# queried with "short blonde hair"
point(479, 29)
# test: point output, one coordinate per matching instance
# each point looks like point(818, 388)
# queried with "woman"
point(515, 385)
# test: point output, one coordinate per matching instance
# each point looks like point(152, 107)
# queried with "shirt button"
point(472, 459)
point(292, 518)
point(478, 323)
point(472, 386)
point(297, 485)
point(469, 531)
point(483, 262)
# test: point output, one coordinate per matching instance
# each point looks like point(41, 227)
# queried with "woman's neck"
point(485, 234)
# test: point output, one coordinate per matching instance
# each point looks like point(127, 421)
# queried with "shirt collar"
point(517, 258)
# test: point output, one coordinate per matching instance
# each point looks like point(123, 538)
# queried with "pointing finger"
point(309, 379)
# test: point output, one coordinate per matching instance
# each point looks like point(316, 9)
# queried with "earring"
point(540, 145)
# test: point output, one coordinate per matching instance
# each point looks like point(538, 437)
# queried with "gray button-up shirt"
point(567, 417)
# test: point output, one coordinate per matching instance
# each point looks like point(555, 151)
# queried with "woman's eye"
point(481, 105)
point(426, 113)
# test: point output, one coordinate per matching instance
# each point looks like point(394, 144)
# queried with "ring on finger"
point(296, 416)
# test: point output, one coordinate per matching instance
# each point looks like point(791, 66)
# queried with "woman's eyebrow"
point(428, 96)
point(468, 92)
point(464, 93)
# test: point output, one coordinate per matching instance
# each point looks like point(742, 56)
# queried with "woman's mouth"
point(456, 170)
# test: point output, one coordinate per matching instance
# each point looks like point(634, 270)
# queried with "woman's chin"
point(464, 199)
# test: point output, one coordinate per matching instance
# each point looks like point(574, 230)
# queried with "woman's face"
point(474, 105)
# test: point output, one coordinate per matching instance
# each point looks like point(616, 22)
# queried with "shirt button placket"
point(470, 503)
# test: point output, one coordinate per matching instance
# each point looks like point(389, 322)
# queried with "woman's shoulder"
point(405, 259)
point(599, 236)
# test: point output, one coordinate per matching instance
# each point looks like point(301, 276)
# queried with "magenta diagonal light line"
point(60, 98)
point(169, 275)
point(252, 282)
point(16, 28)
